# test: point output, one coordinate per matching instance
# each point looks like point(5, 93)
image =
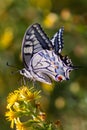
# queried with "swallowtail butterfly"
point(41, 56)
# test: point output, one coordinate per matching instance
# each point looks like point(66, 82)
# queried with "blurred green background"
point(66, 101)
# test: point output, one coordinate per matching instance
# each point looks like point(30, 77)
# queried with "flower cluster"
point(24, 111)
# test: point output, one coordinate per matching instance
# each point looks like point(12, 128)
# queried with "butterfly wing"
point(34, 40)
point(57, 41)
point(43, 66)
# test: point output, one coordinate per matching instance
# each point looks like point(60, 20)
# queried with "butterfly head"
point(25, 73)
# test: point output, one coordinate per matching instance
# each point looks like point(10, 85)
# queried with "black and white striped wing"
point(34, 40)
point(57, 41)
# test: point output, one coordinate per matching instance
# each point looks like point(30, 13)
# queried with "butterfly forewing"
point(34, 41)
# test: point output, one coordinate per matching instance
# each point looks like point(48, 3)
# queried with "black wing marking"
point(57, 41)
point(34, 40)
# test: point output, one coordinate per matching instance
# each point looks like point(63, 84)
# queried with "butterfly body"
point(42, 58)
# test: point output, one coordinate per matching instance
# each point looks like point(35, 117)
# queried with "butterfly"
point(42, 56)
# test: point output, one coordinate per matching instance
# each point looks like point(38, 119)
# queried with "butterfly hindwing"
point(34, 41)
point(57, 41)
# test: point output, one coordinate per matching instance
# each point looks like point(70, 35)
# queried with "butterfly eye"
point(22, 71)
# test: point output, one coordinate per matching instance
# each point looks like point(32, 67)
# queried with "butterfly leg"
point(34, 82)
point(23, 81)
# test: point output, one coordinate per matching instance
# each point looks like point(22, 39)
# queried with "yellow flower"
point(16, 107)
point(11, 116)
point(20, 125)
point(11, 99)
point(42, 116)
point(47, 87)
point(50, 20)
point(66, 14)
point(19, 104)
point(6, 38)
point(28, 94)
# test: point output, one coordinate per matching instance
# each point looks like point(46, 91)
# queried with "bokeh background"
point(66, 101)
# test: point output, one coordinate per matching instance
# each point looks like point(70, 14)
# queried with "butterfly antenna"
point(13, 72)
point(12, 66)
point(78, 67)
